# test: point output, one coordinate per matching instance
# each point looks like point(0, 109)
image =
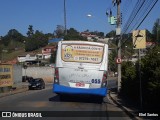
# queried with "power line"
point(133, 15)
point(141, 16)
point(125, 8)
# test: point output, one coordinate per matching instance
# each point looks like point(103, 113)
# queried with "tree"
point(73, 34)
point(111, 34)
point(59, 31)
point(49, 36)
point(100, 34)
point(36, 41)
point(156, 31)
point(112, 62)
point(13, 39)
point(30, 31)
point(151, 77)
point(149, 36)
point(40, 38)
point(129, 84)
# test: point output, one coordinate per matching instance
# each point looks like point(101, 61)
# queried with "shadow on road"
point(76, 98)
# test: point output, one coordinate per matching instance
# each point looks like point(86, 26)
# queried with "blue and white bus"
point(81, 68)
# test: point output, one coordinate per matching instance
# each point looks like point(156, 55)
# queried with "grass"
point(11, 55)
point(8, 56)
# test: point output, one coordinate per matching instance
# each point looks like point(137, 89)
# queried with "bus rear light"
point(56, 78)
point(104, 77)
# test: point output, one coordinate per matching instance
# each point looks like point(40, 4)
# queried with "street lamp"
point(89, 15)
point(65, 17)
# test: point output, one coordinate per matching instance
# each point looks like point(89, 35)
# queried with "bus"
point(81, 68)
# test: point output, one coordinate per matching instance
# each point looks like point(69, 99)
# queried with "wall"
point(47, 73)
point(17, 75)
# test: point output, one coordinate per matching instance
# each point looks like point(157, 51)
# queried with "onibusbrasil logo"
point(21, 114)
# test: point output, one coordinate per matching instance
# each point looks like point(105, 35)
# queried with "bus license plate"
point(80, 84)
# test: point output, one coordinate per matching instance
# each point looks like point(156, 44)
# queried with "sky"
point(45, 15)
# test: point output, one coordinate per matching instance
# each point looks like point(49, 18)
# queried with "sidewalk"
point(129, 110)
point(14, 91)
point(22, 88)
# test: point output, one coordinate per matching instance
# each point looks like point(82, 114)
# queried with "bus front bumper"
point(70, 90)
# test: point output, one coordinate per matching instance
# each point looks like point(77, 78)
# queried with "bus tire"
point(61, 97)
point(100, 100)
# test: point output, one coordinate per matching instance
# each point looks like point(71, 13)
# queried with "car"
point(36, 83)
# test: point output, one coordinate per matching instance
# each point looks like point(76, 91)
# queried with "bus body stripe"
point(94, 91)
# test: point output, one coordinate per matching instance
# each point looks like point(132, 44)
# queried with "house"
point(134, 57)
point(29, 58)
point(89, 36)
point(47, 51)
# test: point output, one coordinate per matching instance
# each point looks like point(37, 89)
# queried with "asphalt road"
point(52, 107)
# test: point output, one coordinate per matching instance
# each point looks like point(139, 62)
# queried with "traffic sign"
point(139, 39)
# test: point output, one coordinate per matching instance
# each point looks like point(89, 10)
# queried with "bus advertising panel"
point(82, 53)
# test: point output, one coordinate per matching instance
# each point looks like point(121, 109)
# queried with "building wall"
point(47, 73)
point(17, 75)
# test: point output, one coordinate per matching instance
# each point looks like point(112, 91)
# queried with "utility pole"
point(139, 70)
point(112, 20)
point(118, 33)
point(65, 26)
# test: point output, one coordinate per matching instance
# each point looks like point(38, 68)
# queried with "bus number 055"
point(96, 81)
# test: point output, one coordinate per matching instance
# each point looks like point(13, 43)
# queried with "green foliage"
point(112, 63)
point(156, 31)
point(13, 40)
point(101, 34)
point(30, 31)
point(73, 34)
point(31, 45)
point(59, 31)
point(111, 34)
point(130, 87)
point(53, 57)
point(49, 36)
point(150, 79)
point(36, 41)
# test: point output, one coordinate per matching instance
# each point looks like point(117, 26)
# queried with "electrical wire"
point(141, 16)
point(125, 9)
point(133, 15)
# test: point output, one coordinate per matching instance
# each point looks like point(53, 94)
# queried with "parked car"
point(37, 83)
point(26, 78)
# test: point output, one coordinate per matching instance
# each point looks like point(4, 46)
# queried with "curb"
point(21, 90)
point(129, 113)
